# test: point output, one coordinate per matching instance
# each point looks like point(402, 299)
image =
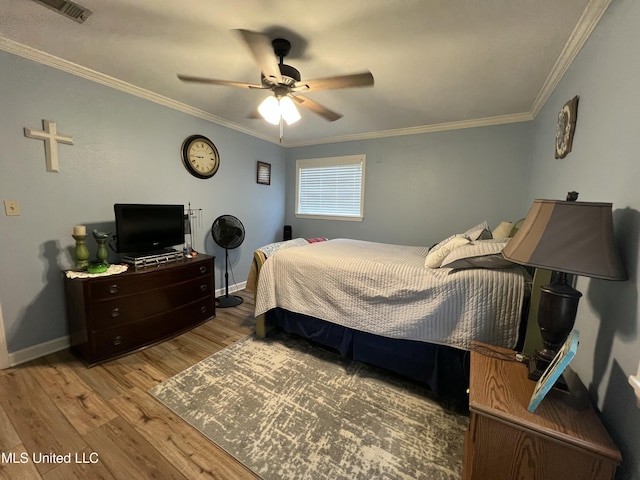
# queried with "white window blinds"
point(330, 187)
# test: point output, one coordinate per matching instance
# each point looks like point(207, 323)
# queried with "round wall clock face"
point(200, 156)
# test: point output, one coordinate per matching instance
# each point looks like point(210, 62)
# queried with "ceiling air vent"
point(70, 10)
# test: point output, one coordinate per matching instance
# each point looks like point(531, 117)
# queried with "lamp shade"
point(569, 237)
point(270, 110)
point(273, 108)
point(289, 111)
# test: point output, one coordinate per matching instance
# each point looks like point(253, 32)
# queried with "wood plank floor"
point(102, 421)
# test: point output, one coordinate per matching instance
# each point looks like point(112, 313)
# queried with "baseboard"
point(36, 351)
point(4, 354)
point(232, 289)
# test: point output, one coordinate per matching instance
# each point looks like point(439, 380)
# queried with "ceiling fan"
point(285, 81)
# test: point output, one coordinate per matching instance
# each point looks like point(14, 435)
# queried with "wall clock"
point(566, 127)
point(200, 156)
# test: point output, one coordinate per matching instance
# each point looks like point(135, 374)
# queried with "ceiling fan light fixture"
point(273, 109)
point(270, 110)
point(289, 111)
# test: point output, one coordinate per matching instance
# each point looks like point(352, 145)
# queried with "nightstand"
point(505, 442)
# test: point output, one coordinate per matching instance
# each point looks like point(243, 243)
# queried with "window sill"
point(330, 217)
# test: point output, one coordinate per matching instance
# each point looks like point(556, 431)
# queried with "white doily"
point(112, 270)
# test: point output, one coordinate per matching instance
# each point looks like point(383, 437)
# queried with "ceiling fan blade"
point(363, 79)
point(315, 107)
point(263, 55)
point(213, 81)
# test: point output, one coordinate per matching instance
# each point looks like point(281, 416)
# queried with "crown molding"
point(440, 127)
point(95, 76)
point(588, 21)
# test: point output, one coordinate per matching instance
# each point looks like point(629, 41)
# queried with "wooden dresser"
point(115, 315)
point(506, 442)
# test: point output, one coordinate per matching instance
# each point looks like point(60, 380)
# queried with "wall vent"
point(70, 10)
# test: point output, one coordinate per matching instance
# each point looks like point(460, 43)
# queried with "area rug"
point(288, 409)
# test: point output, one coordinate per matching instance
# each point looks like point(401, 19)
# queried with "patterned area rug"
point(288, 409)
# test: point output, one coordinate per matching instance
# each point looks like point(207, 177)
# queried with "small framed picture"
point(554, 370)
point(264, 173)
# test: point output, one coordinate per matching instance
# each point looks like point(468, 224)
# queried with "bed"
point(411, 310)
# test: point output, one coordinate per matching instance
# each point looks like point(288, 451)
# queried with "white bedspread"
point(386, 290)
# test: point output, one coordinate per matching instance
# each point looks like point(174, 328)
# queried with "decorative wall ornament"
point(264, 173)
point(51, 139)
point(566, 127)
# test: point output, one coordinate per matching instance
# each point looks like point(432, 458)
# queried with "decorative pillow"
point(516, 227)
point(479, 232)
point(441, 250)
point(317, 239)
point(479, 254)
point(503, 230)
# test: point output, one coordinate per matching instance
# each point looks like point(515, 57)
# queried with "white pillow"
point(478, 232)
point(503, 230)
point(479, 254)
point(438, 253)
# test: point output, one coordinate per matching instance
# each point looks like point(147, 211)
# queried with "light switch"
point(11, 207)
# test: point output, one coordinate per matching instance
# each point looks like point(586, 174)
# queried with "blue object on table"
point(554, 370)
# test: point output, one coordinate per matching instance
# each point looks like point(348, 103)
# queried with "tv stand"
point(111, 316)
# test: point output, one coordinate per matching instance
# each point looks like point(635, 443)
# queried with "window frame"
point(327, 162)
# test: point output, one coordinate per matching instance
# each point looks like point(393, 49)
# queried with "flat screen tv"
point(147, 228)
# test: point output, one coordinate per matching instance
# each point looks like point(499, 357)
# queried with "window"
point(330, 188)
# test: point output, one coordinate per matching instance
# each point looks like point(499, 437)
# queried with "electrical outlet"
point(11, 207)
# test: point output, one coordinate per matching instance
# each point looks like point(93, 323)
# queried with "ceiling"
point(437, 64)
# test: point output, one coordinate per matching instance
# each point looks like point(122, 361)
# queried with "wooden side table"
point(506, 442)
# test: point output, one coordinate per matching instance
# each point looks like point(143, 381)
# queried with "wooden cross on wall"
point(51, 138)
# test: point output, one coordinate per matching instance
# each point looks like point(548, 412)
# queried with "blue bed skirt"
point(444, 370)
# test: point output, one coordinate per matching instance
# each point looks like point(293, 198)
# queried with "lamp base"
point(537, 366)
point(556, 316)
point(229, 301)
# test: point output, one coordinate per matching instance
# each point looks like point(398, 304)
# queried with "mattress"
point(386, 290)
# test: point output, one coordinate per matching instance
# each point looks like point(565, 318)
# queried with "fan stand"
point(228, 300)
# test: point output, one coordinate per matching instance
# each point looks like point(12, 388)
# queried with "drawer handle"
point(203, 309)
point(117, 341)
point(203, 269)
point(115, 312)
point(113, 289)
point(204, 287)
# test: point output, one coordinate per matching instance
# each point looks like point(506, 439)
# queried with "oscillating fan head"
point(227, 231)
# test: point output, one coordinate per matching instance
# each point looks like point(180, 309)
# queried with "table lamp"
point(567, 237)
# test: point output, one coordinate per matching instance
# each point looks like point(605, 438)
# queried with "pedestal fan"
point(228, 232)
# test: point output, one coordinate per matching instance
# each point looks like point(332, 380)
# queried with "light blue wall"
point(603, 166)
point(126, 149)
point(421, 188)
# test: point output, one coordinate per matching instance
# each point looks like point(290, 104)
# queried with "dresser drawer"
point(122, 310)
point(147, 279)
point(120, 340)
